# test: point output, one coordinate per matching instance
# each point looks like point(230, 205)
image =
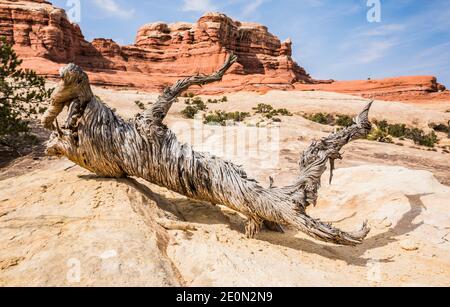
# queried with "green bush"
point(214, 101)
point(283, 112)
point(382, 124)
point(344, 120)
point(269, 112)
point(224, 99)
point(379, 135)
point(189, 112)
point(140, 104)
point(276, 120)
point(220, 117)
point(321, 118)
point(384, 131)
point(22, 92)
point(440, 127)
point(398, 130)
point(420, 138)
point(198, 103)
point(195, 105)
point(263, 108)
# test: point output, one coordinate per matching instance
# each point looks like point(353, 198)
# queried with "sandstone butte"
point(162, 53)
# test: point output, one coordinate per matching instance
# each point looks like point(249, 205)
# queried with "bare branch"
point(159, 110)
point(109, 146)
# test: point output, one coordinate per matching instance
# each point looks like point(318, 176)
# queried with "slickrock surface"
point(61, 225)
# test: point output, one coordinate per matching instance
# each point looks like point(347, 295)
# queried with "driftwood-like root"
point(95, 138)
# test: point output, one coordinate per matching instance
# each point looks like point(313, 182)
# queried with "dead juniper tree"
point(100, 141)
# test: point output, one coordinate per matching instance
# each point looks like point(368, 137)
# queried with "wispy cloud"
point(374, 51)
point(198, 5)
point(113, 8)
point(385, 30)
point(250, 8)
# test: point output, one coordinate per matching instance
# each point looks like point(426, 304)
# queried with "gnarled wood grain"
point(100, 141)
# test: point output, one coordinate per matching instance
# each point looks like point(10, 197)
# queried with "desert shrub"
point(198, 103)
point(344, 120)
point(189, 112)
point(213, 101)
point(420, 138)
point(382, 124)
point(140, 104)
point(195, 105)
point(190, 95)
point(384, 131)
point(440, 127)
point(379, 135)
point(269, 112)
point(398, 130)
point(22, 93)
point(221, 117)
point(276, 120)
point(283, 112)
point(263, 108)
point(321, 118)
point(224, 99)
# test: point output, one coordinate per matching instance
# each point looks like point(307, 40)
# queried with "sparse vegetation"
point(379, 135)
point(441, 128)
point(22, 93)
point(383, 131)
point(140, 104)
point(320, 118)
point(420, 138)
point(269, 112)
point(195, 105)
point(401, 131)
point(221, 117)
point(344, 120)
point(330, 119)
point(215, 101)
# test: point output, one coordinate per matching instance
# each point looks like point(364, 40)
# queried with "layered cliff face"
point(44, 37)
point(411, 88)
point(162, 53)
point(36, 28)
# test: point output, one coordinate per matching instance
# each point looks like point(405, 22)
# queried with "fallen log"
point(95, 138)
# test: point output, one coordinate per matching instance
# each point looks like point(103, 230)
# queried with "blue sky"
point(332, 38)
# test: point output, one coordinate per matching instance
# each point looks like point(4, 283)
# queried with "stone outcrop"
point(412, 88)
point(162, 53)
point(43, 35)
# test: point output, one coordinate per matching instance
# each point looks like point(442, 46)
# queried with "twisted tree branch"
point(146, 148)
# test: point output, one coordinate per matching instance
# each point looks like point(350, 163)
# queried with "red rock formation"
point(413, 88)
point(161, 51)
point(43, 36)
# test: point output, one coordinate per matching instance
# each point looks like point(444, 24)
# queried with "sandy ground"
point(60, 225)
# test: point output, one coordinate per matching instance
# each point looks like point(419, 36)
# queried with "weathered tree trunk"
point(98, 140)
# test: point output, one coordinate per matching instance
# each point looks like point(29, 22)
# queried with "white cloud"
point(251, 7)
point(374, 51)
point(198, 5)
point(114, 9)
point(384, 30)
